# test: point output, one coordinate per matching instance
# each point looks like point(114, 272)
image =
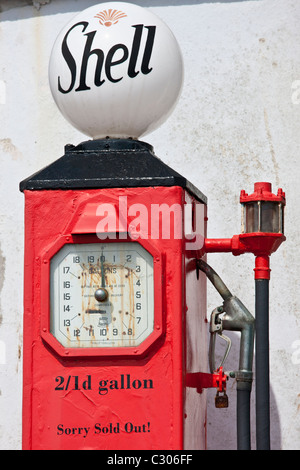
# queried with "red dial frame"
point(124, 351)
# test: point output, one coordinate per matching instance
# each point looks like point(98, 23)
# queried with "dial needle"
point(102, 273)
point(101, 294)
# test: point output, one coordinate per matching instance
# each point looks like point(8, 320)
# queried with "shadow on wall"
point(50, 7)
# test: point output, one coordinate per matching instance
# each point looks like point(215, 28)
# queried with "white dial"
point(101, 295)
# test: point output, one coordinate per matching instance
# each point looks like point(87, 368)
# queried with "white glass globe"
point(116, 70)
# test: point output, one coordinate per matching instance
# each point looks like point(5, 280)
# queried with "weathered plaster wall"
point(237, 122)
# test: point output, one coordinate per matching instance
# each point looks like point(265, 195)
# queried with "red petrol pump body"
point(111, 369)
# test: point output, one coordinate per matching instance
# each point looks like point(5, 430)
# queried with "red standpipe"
point(263, 222)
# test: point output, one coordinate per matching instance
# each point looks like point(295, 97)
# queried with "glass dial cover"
point(101, 295)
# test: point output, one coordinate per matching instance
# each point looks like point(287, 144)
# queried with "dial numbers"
point(102, 295)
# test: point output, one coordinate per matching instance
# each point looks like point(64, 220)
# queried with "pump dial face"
point(101, 295)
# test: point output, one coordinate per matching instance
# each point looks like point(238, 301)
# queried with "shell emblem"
point(109, 17)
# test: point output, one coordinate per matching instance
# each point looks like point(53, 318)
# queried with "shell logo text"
point(109, 17)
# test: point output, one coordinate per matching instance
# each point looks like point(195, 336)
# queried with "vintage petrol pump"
point(115, 353)
point(114, 314)
point(112, 326)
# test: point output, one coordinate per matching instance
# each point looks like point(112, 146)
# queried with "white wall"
point(236, 123)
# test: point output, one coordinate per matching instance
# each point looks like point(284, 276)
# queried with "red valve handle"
point(201, 380)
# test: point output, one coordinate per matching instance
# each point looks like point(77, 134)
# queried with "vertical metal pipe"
point(238, 318)
point(262, 364)
point(243, 420)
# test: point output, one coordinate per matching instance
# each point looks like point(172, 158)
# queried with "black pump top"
point(108, 163)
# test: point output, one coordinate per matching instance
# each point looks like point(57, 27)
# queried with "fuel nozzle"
point(231, 316)
point(238, 318)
